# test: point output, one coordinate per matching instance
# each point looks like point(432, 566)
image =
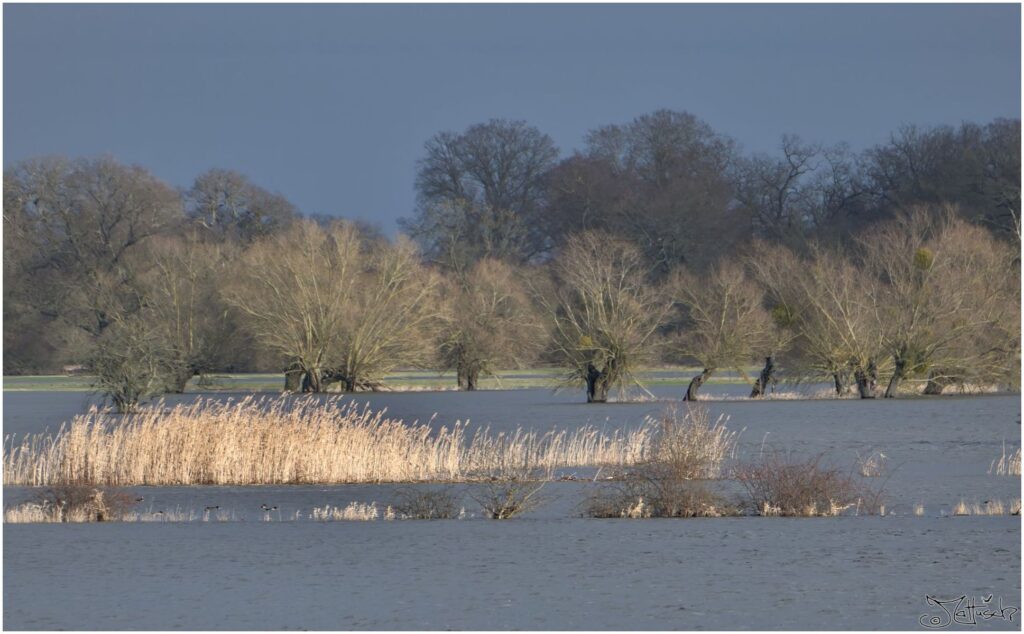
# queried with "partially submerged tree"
point(489, 322)
point(339, 309)
point(721, 323)
point(605, 313)
point(838, 329)
point(292, 289)
point(182, 294)
point(773, 269)
point(391, 318)
point(131, 362)
point(940, 283)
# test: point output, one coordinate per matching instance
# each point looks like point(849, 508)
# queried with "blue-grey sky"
point(331, 104)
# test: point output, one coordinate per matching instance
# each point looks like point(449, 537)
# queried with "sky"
point(330, 105)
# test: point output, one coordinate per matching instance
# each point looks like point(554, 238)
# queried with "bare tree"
point(838, 328)
point(131, 362)
point(182, 294)
point(292, 288)
point(489, 322)
point(605, 313)
point(722, 322)
point(229, 206)
point(480, 193)
point(940, 283)
point(85, 226)
point(775, 270)
point(775, 190)
point(663, 180)
point(338, 311)
point(811, 190)
point(975, 167)
point(392, 317)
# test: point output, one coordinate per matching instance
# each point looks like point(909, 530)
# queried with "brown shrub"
point(779, 485)
point(643, 498)
point(511, 490)
point(421, 503)
point(73, 503)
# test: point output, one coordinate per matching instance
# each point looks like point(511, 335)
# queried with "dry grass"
point(354, 512)
point(988, 507)
point(285, 441)
point(1006, 464)
point(688, 446)
point(72, 503)
point(78, 504)
point(687, 450)
point(873, 465)
point(919, 509)
point(31, 513)
point(174, 515)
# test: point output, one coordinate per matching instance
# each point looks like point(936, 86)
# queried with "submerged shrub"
point(687, 449)
point(778, 485)
point(421, 503)
point(511, 490)
point(647, 498)
point(73, 503)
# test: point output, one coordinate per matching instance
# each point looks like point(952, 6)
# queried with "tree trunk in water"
point(311, 381)
point(691, 391)
point(937, 382)
point(839, 379)
point(293, 378)
point(897, 375)
point(467, 378)
point(597, 390)
point(180, 379)
point(767, 377)
point(867, 380)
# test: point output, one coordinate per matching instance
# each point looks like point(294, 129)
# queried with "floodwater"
point(551, 569)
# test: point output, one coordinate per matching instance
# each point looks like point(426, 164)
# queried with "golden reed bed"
point(293, 441)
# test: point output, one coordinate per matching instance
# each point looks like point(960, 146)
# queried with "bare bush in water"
point(72, 503)
point(778, 485)
point(426, 503)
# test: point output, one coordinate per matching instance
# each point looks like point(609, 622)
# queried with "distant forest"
point(515, 252)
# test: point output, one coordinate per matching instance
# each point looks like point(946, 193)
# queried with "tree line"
point(659, 241)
